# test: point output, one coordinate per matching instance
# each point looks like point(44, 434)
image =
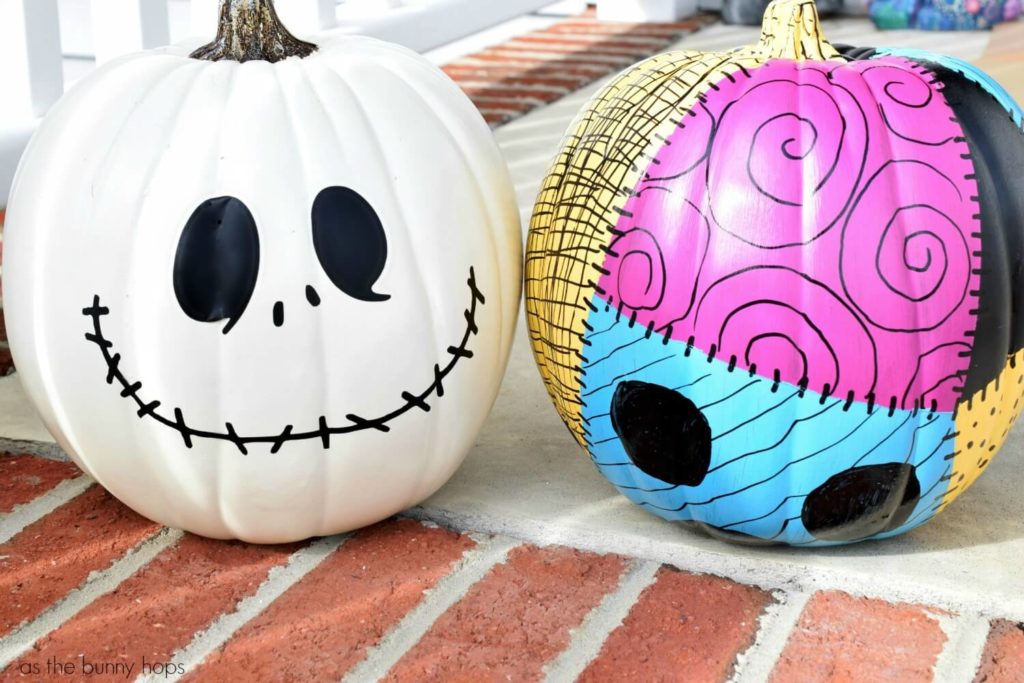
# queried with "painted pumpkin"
point(776, 291)
point(943, 15)
point(266, 291)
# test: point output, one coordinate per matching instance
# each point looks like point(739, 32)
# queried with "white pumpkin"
point(261, 300)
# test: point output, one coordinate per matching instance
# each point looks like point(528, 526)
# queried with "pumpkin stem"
point(250, 30)
point(791, 30)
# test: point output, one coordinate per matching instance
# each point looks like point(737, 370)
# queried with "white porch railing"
point(35, 56)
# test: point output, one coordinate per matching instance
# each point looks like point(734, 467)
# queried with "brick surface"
point(471, 76)
point(47, 559)
point(1003, 660)
point(25, 477)
point(515, 620)
point(684, 627)
point(565, 56)
point(322, 626)
point(844, 638)
point(165, 603)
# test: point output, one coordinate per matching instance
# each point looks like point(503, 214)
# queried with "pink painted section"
point(817, 221)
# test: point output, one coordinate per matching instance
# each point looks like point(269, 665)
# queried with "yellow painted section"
point(982, 424)
point(600, 163)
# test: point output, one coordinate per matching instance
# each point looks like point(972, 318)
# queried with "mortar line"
point(42, 449)
point(474, 565)
point(587, 640)
point(22, 516)
point(775, 625)
point(222, 629)
point(98, 584)
point(966, 636)
point(773, 573)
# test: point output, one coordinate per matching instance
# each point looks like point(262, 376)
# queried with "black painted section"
point(662, 431)
point(997, 151)
point(350, 242)
point(855, 53)
point(311, 296)
point(217, 261)
point(862, 501)
point(278, 314)
point(996, 146)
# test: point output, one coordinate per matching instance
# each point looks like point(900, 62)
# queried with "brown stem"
point(250, 30)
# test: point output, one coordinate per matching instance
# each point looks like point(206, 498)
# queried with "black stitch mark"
point(324, 432)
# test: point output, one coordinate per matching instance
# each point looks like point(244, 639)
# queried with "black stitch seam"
point(146, 409)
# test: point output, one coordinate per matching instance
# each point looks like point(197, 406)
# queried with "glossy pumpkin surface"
point(264, 300)
point(775, 290)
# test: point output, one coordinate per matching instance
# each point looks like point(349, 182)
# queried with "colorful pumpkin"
point(943, 15)
point(776, 291)
point(267, 291)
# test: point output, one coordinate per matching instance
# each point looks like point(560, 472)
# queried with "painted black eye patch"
point(350, 242)
point(217, 260)
point(218, 255)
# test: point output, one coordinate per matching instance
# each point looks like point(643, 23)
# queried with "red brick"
point(668, 32)
point(1003, 660)
point(585, 40)
point(563, 86)
point(508, 104)
point(844, 638)
point(322, 626)
point(163, 605)
point(514, 620)
point(511, 93)
point(538, 74)
point(49, 558)
point(683, 627)
point(528, 60)
point(26, 477)
point(497, 76)
point(620, 51)
point(6, 360)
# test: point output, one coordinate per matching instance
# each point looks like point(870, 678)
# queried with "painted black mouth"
point(148, 409)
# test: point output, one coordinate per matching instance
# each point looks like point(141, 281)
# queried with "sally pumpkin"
point(775, 291)
point(265, 291)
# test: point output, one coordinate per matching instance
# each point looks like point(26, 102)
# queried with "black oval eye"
point(664, 434)
point(862, 501)
point(217, 261)
point(350, 242)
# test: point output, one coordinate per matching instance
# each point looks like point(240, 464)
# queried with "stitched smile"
point(149, 409)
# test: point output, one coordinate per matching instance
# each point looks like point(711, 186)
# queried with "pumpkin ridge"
point(459, 146)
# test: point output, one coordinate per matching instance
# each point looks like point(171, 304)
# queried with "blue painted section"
point(770, 447)
point(969, 71)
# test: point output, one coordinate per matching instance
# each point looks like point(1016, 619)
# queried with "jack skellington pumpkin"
point(265, 290)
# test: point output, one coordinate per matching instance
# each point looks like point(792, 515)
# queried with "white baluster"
point(31, 77)
point(203, 18)
point(645, 10)
point(304, 17)
point(123, 26)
